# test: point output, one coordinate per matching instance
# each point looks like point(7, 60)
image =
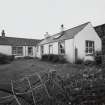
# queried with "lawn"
point(19, 68)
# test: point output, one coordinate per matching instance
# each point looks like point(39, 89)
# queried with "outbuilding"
point(19, 47)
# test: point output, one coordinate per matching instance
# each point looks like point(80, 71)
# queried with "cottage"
point(19, 47)
point(76, 43)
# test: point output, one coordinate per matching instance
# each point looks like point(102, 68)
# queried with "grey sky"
point(32, 18)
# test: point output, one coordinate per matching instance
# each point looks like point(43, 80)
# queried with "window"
point(14, 50)
point(30, 50)
point(50, 49)
point(61, 47)
point(89, 47)
point(17, 50)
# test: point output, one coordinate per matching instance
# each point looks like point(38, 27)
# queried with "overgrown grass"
point(83, 88)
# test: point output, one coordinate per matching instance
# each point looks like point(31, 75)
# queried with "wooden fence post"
point(15, 97)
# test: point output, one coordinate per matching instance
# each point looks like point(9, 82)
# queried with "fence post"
point(43, 85)
point(14, 94)
point(31, 90)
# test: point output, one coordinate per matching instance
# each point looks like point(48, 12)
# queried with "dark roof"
point(67, 34)
point(100, 29)
point(18, 41)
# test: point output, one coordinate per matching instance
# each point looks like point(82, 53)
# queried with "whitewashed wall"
point(55, 47)
point(69, 50)
point(46, 49)
point(88, 33)
point(5, 49)
point(38, 51)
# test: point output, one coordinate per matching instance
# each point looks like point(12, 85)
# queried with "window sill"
point(89, 54)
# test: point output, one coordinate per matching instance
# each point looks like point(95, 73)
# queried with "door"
point(76, 55)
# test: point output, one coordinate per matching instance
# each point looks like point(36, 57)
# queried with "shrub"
point(50, 57)
point(44, 57)
point(89, 62)
point(62, 59)
point(79, 61)
point(54, 58)
point(6, 58)
point(98, 57)
point(28, 57)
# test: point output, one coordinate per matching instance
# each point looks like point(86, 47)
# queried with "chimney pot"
point(46, 35)
point(3, 33)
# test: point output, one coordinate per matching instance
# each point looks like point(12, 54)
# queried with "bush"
point(89, 62)
point(6, 58)
point(54, 58)
point(45, 57)
point(79, 61)
point(28, 57)
point(98, 58)
point(62, 59)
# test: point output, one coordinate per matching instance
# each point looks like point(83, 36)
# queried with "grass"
point(78, 78)
point(20, 68)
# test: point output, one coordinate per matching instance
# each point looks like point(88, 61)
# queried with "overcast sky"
point(32, 18)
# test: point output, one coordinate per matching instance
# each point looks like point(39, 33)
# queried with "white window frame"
point(15, 50)
point(89, 47)
point(61, 47)
point(31, 51)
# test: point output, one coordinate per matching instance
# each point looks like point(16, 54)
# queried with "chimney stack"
point(3, 33)
point(46, 35)
point(62, 29)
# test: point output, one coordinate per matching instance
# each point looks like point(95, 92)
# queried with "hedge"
point(54, 58)
point(4, 59)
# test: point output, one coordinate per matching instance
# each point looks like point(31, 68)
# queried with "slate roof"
point(100, 29)
point(67, 34)
point(18, 41)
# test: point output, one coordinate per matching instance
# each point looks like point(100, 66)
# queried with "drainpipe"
point(25, 48)
point(74, 50)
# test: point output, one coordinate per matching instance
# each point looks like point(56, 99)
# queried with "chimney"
point(62, 29)
point(46, 35)
point(3, 33)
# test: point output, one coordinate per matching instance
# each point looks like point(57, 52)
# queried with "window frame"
point(31, 50)
point(89, 47)
point(61, 51)
point(17, 52)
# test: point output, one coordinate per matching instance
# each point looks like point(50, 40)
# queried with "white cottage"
point(76, 43)
point(19, 47)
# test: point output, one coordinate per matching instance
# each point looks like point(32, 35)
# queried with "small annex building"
point(76, 43)
point(19, 47)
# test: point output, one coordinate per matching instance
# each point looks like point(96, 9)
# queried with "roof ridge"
point(68, 34)
point(78, 25)
point(21, 38)
point(72, 28)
